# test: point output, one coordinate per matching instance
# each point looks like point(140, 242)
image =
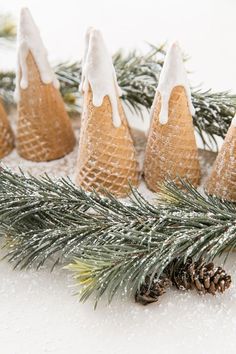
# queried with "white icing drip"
point(99, 73)
point(29, 40)
point(173, 74)
point(233, 122)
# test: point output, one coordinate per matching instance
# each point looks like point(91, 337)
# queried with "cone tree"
point(106, 158)
point(171, 150)
point(44, 130)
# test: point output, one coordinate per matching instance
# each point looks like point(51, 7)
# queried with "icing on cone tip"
point(27, 25)
point(29, 40)
point(173, 74)
point(99, 74)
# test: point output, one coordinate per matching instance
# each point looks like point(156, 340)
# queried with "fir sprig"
point(112, 243)
point(58, 216)
point(7, 87)
point(214, 112)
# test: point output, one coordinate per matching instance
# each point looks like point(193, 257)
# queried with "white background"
point(37, 312)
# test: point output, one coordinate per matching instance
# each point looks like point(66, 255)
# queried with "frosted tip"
point(175, 49)
point(25, 14)
point(29, 40)
point(98, 73)
point(96, 47)
point(26, 24)
point(173, 74)
point(89, 30)
point(24, 10)
point(175, 44)
point(96, 36)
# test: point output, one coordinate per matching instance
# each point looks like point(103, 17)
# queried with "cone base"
point(6, 134)
point(171, 151)
point(107, 158)
point(222, 181)
point(44, 130)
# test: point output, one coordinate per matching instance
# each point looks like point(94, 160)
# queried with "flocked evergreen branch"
point(57, 216)
point(7, 79)
point(214, 112)
point(7, 86)
point(114, 245)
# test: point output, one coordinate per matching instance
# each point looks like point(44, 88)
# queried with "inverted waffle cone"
point(222, 180)
point(44, 130)
point(171, 150)
point(106, 157)
point(6, 134)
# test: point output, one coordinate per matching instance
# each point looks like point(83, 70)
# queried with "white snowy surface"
point(40, 315)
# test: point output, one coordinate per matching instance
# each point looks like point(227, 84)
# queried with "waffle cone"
point(106, 157)
point(171, 150)
point(44, 130)
point(6, 134)
point(222, 180)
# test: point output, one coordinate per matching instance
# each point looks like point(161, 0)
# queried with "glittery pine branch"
point(111, 245)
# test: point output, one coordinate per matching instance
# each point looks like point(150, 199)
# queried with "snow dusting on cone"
point(171, 150)
point(44, 130)
point(6, 134)
point(222, 180)
point(107, 158)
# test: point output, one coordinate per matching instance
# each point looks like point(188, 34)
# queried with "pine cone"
point(151, 293)
point(205, 278)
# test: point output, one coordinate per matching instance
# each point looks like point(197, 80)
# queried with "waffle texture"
point(44, 130)
point(6, 134)
point(171, 150)
point(222, 180)
point(107, 158)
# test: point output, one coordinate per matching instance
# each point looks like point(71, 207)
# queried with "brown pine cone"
point(205, 278)
point(151, 293)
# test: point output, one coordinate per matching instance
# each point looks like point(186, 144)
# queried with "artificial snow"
point(40, 313)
